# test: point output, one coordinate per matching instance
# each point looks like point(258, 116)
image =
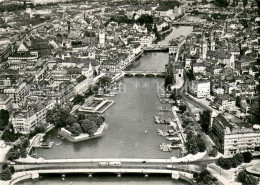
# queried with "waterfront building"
point(25, 120)
point(201, 88)
point(83, 82)
point(173, 47)
point(232, 135)
point(147, 41)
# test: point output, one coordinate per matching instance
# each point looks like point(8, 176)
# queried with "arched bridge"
point(144, 73)
point(157, 47)
point(33, 171)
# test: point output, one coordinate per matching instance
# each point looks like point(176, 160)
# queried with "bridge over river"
point(144, 73)
point(92, 167)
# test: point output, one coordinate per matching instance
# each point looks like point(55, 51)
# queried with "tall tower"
point(102, 35)
point(212, 41)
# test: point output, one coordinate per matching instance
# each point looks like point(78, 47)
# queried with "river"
point(131, 131)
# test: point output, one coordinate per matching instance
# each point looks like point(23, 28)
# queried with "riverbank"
point(82, 137)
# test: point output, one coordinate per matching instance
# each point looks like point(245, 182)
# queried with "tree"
point(173, 96)
point(78, 99)
point(239, 158)
point(13, 154)
point(245, 2)
point(247, 157)
point(204, 177)
point(234, 162)
point(5, 165)
point(247, 179)
point(12, 170)
point(200, 143)
point(76, 129)
point(182, 108)
point(4, 118)
point(205, 120)
point(145, 19)
point(169, 80)
point(6, 175)
point(194, 143)
point(105, 81)
point(23, 152)
point(238, 99)
point(9, 136)
point(213, 152)
point(155, 31)
point(71, 120)
point(224, 163)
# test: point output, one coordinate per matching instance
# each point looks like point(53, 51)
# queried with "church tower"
point(212, 41)
point(102, 35)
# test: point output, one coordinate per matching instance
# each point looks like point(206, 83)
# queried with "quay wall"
point(68, 136)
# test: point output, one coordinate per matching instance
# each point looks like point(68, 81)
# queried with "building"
point(5, 102)
point(226, 103)
point(231, 135)
point(147, 41)
point(35, 2)
point(199, 68)
point(6, 49)
point(201, 88)
point(84, 80)
point(25, 120)
point(243, 62)
point(222, 57)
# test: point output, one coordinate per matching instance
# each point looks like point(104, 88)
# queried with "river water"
point(131, 131)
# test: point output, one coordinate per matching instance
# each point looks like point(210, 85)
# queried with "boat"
point(165, 147)
point(47, 145)
point(58, 143)
point(173, 138)
point(145, 131)
point(157, 119)
point(109, 95)
point(176, 146)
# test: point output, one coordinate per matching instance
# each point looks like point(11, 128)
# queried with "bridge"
point(94, 167)
point(185, 23)
point(157, 47)
point(144, 73)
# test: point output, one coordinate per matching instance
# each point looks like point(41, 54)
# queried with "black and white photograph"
point(129, 92)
